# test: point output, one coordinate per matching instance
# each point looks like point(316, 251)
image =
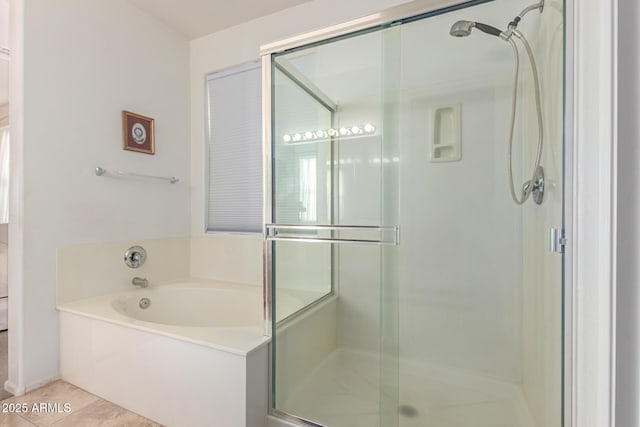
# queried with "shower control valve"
point(135, 256)
point(535, 187)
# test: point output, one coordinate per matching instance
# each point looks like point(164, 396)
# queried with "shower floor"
point(343, 392)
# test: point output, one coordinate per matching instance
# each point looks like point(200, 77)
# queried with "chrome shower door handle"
point(362, 234)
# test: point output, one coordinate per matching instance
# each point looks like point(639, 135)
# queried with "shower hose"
point(528, 186)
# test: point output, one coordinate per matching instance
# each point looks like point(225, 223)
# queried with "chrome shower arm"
point(539, 6)
point(506, 35)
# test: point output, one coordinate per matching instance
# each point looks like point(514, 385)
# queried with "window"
point(307, 190)
point(235, 150)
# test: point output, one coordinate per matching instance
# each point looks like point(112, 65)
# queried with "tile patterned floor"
point(85, 410)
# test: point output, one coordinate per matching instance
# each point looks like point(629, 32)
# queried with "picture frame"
point(138, 133)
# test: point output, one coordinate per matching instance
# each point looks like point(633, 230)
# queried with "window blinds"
point(235, 150)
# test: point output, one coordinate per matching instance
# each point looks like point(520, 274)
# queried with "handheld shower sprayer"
point(463, 29)
point(535, 185)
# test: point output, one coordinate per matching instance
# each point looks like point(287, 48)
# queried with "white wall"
point(4, 18)
point(230, 258)
point(81, 64)
point(4, 64)
point(4, 121)
point(628, 297)
point(91, 270)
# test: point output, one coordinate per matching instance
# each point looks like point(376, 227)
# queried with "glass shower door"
point(404, 127)
point(302, 181)
point(334, 180)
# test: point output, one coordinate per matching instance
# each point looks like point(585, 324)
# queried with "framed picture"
point(137, 133)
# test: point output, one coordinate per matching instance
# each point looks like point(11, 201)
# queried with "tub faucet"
point(140, 281)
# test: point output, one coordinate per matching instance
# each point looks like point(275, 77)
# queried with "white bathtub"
point(196, 356)
point(194, 304)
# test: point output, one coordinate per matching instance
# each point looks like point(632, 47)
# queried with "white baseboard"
point(40, 383)
point(17, 390)
point(13, 388)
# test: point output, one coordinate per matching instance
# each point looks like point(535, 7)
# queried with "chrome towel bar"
point(102, 171)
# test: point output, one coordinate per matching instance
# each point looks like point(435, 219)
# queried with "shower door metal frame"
point(404, 13)
point(323, 100)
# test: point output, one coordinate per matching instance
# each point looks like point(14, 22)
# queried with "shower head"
point(463, 29)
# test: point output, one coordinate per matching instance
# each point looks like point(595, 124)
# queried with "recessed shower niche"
point(445, 142)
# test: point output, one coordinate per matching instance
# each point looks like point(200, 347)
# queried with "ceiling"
point(196, 18)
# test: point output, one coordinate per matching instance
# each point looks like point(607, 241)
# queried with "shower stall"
point(405, 283)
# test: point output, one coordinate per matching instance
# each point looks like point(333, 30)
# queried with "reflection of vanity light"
point(321, 134)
